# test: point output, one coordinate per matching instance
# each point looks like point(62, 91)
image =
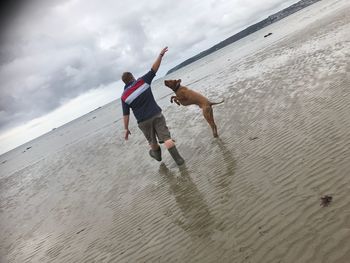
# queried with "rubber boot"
point(156, 154)
point(176, 156)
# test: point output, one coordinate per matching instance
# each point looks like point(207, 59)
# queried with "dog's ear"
point(178, 81)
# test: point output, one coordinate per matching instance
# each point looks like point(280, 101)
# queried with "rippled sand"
point(253, 195)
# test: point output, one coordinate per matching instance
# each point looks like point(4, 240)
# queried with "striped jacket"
point(139, 97)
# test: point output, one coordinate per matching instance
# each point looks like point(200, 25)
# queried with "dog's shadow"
point(229, 162)
point(197, 220)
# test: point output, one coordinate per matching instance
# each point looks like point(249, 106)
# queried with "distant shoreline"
point(249, 30)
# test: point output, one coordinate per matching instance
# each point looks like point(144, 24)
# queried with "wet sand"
point(253, 195)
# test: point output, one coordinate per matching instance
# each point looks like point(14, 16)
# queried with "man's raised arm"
point(156, 63)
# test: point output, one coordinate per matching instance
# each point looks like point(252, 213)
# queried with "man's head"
point(127, 77)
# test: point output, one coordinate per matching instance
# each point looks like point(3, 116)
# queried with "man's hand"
point(156, 63)
point(127, 132)
point(163, 51)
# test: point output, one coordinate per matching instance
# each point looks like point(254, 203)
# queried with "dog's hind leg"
point(208, 115)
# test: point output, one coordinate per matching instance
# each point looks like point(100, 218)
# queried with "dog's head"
point(172, 83)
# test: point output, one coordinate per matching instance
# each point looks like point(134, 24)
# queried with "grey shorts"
point(154, 128)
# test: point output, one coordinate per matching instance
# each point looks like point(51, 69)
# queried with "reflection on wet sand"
point(198, 220)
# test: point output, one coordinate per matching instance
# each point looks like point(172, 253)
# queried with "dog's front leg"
point(174, 99)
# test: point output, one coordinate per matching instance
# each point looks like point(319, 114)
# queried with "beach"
point(81, 193)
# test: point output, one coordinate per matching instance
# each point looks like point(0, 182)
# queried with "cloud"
point(54, 51)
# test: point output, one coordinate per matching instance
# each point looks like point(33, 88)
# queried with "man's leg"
point(154, 147)
point(164, 135)
point(147, 128)
point(155, 152)
point(169, 144)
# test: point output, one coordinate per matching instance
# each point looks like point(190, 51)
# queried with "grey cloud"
point(41, 81)
point(57, 50)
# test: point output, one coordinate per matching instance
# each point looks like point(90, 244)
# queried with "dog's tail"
point(214, 103)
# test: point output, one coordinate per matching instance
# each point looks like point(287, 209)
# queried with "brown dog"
point(185, 96)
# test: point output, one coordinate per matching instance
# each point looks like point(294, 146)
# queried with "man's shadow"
point(198, 221)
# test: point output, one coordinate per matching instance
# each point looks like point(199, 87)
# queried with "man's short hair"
point(127, 77)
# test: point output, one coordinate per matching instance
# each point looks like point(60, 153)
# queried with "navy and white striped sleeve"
point(148, 77)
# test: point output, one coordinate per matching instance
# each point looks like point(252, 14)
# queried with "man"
point(138, 96)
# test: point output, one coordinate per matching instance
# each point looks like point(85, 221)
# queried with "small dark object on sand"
point(269, 34)
point(80, 231)
point(326, 200)
point(253, 138)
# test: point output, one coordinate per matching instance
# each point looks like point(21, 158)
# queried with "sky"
point(60, 59)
